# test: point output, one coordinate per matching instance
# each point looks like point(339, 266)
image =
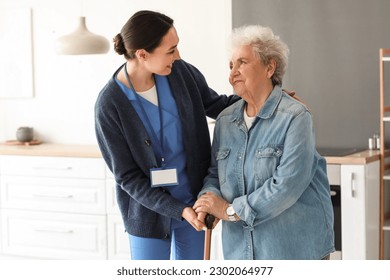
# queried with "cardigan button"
point(147, 142)
point(166, 236)
point(165, 191)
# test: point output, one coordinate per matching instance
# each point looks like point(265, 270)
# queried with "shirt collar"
point(271, 103)
point(268, 109)
point(130, 94)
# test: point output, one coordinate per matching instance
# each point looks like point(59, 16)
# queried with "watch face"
point(230, 211)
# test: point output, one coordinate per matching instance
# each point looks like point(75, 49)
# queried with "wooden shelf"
point(384, 56)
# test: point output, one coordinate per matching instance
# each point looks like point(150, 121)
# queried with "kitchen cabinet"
point(360, 211)
point(58, 202)
point(355, 181)
point(53, 207)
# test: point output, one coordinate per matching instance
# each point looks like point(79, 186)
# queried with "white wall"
point(66, 87)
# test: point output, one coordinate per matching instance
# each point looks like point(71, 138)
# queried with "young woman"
point(152, 131)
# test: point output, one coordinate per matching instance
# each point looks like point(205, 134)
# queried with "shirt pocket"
point(222, 159)
point(266, 161)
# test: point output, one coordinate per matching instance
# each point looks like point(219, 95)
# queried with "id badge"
point(163, 177)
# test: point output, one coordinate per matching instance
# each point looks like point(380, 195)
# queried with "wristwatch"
point(231, 213)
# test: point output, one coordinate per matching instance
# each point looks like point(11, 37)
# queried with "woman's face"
point(248, 74)
point(160, 60)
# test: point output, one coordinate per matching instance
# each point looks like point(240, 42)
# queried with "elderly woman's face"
point(248, 74)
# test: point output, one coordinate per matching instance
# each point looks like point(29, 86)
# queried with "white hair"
point(266, 46)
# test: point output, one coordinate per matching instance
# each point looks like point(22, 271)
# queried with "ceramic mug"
point(25, 134)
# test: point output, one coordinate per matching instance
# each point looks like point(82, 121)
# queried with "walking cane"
point(209, 220)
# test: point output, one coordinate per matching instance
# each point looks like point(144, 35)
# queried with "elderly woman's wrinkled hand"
point(212, 204)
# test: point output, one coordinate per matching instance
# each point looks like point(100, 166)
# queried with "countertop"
point(52, 150)
point(362, 157)
point(92, 151)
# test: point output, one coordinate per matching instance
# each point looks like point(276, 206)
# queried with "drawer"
point(54, 235)
point(53, 194)
point(64, 167)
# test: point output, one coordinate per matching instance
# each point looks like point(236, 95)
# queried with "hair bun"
point(119, 46)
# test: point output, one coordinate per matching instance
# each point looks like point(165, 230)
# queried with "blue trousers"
point(185, 244)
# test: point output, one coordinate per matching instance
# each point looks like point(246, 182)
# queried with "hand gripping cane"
point(209, 220)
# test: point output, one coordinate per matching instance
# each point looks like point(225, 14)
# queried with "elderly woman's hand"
point(213, 204)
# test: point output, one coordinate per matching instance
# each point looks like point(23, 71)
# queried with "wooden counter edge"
point(363, 157)
point(53, 150)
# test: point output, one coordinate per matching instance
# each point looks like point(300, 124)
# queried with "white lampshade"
point(82, 41)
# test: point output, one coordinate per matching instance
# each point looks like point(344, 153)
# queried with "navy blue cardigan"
point(127, 150)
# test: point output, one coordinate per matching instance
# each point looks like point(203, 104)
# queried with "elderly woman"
point(266, 181)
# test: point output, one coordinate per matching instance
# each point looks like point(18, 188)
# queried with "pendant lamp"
point(82, 41)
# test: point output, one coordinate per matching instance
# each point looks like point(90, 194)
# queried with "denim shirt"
point(276, 181)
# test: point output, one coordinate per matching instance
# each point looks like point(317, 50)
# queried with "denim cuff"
point(244, 210)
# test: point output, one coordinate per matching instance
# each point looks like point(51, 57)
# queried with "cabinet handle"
point(66, 196)
point(53, 168)
point(54, 230)
point(353, 183)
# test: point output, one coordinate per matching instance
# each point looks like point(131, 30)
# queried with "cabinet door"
point(54, 235)
point(353, 245)
point(85, 196)
point(56, 167)
point(360, 211)
point(118, 241)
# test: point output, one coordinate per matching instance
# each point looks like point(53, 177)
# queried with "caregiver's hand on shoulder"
point(190, 216)
point(213, 204)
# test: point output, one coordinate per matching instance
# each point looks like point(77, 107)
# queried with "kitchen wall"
point(334, 60)
point(334, 63)
point(66, 87)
